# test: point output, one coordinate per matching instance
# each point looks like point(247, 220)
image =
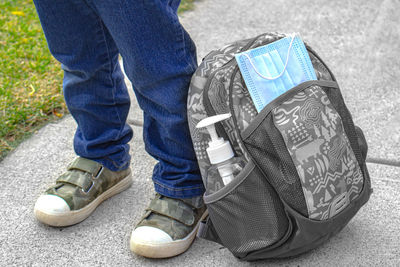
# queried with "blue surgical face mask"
point(273, 69)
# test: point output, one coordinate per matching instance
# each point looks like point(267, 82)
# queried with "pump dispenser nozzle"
point(209, 124)
point(219, 151)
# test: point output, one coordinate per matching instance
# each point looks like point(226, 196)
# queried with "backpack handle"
point(284, 69)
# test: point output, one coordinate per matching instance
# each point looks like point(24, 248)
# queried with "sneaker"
point(168, 227)
point(79, 191)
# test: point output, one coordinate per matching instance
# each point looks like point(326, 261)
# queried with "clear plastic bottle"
point(224, 165)
point(221, 174)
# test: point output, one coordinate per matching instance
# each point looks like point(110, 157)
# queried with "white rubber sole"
point(76, 216)
point(165, 250)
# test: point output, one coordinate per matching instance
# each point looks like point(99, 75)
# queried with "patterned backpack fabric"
point(305, 175)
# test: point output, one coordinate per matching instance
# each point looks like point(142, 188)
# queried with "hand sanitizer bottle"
point(224, 165)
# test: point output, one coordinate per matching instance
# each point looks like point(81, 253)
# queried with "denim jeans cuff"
point(189, 192)
point(111, 165)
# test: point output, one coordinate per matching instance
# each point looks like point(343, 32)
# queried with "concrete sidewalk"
point(359, 40)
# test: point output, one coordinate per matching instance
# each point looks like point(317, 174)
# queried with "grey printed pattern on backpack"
point(219, 65)
point(214, 64)
point(196, 110)
point(314, 135)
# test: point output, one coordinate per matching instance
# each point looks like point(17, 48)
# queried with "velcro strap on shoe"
point(79, 179)
point(85, 165)
point(176, 210)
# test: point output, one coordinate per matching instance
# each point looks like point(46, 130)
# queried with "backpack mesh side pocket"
point(356, 136)
point(247, 213)
point(303, 135)
point(267, 147)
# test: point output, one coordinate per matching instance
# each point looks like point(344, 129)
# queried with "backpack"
point(305, 175)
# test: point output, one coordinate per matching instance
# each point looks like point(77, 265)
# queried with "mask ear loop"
point(284, 69)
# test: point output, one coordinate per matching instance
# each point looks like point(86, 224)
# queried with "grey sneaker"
point(79, 191)
point(168, 227)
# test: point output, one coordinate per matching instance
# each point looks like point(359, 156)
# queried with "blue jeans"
point(159, 57)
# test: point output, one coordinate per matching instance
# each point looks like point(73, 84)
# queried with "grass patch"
point(30, 78)
point(186, 5)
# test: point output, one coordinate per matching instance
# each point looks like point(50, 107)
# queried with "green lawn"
point(30, 78)
point(185, 5)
